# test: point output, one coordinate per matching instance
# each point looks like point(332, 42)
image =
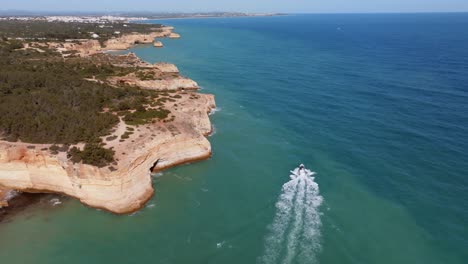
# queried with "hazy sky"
point(296, 6)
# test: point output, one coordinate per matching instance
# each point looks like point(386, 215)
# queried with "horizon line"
point(229, 12)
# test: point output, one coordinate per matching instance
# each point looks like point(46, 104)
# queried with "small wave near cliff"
point(294, 235)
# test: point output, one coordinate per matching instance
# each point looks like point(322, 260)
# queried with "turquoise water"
point(377, 105)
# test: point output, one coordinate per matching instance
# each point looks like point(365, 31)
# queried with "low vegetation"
point(143, 116)
point(93, 153)
point(146, 75)
point(42, 30)
point(45, 98)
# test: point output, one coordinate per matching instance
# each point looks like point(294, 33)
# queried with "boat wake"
point(294, 235)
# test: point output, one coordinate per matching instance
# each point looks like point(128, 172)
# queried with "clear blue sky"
point(291, 6)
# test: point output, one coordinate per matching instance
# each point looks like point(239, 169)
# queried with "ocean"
point(375, 104)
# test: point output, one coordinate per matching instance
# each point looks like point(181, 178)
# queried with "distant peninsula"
point(79, 121)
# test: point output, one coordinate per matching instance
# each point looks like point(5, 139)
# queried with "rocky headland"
point(125, 185)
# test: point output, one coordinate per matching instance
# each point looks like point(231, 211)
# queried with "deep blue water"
point(377, 105)
point(383, 96)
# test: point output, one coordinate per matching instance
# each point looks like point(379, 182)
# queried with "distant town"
point(75, 19)
point(118, 18)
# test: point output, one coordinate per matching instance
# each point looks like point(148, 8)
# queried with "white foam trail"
point(277, 230)
point(295, 231)
point(297, 226)
point(311, 235)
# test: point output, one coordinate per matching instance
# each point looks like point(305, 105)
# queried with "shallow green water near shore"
point(378, 113)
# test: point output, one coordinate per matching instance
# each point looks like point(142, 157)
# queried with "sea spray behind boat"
point(294, 235)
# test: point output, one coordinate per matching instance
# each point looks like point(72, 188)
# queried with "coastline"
point(208, 17)
point(157, 146)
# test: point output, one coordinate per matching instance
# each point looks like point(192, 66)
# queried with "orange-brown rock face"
point(165, 78)
point(166, 67)
point(126, 41)
point(4, 193)
point(83, 48)
point(169, 84)
point(158, 44)
point(127, 187)
point(174, 36)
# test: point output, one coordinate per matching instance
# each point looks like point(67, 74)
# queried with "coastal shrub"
point(93, 153)
point(62, 31)
point(64, 148)
point(54, 149)
point(54, 102)
point(46, 99)
point(145, 76)
point(126, 135)
point(145, 116)
point(14, 45)
point(111, 138)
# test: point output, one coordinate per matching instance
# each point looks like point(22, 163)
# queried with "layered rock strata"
point(126, 186)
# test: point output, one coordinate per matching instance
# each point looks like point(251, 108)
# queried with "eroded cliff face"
point(164, 77)
point(124, 42)
point(127, 186)
point(166, 84)
point(127, 41)
point(84, 48)
point(38, 171)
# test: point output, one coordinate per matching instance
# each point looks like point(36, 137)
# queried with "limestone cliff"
point(128, 40)
point(167, 84)
point(127, 187)
point(164, 76)
point(87, 47)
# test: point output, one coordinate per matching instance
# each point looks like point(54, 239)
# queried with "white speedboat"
point(301, 171)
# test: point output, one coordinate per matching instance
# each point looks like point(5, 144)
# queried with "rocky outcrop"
point(129, 60)
point(158, 44)
point(82, 47)
point(166, 67)
point(38, 171)
point(126, 188)
point(174, 35)
point(87, 47)
point(167, 28)
point(179, 83)
point(5, 195)
point(168, 84)
point(127, 41)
